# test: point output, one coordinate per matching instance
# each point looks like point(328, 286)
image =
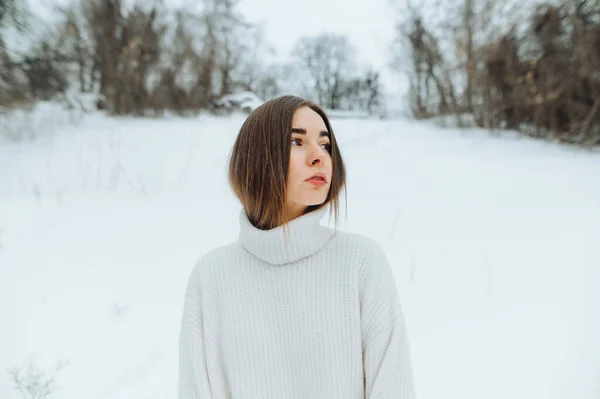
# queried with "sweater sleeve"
point(386, 359)
point(193, 374)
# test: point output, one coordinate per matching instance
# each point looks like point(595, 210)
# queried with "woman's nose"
point(316, 156)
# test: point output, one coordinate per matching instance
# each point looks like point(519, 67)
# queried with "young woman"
point(293, 309)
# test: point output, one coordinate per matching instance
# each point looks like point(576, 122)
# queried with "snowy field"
point(494, 242)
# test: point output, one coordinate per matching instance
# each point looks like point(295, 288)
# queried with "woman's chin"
point(314, 200)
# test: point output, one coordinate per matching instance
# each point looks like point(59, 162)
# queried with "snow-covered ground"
point(494, 243)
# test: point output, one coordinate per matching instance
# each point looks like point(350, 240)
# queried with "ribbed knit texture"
point(314, 314)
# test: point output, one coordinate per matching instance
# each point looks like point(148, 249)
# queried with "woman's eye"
point(325, 146)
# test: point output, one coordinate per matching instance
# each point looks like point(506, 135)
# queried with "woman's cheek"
point(295, 165)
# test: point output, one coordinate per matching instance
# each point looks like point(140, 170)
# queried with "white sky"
point(369, 24)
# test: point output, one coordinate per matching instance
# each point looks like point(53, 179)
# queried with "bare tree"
point(43, 69)
point(126, 46)
point(363, 93)
point(207, 55)
point(146, 56)
point(140, 51)
point(328, 58)
point(12, 13)
point(469, 25)
point(510, 72)
point(12, 82)
point(104, 19)
point(255, 72)
point(74, 45)
point(432, 90)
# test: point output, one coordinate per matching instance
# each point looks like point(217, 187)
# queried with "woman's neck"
point(294, 211)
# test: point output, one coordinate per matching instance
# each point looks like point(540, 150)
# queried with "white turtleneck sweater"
point(316, 316)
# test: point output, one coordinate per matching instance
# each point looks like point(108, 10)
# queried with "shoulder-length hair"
point(259, 162)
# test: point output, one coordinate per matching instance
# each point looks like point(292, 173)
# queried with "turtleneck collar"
point(306, 237)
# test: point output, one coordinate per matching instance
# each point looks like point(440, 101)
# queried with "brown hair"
point(259, 162)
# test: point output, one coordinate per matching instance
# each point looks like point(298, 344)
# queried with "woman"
point(292, 309)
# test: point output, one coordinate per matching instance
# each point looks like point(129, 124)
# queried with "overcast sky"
point(368, 23)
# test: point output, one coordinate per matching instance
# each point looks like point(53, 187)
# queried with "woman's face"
point(309, 156)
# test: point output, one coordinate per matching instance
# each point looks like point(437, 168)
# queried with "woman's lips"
point(316, 182)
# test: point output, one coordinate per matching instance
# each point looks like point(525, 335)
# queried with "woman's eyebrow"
point(300, 130)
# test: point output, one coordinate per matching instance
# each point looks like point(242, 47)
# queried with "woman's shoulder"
point(372, 262)
point(356, 240)
point(215, 257)
point(360, 245)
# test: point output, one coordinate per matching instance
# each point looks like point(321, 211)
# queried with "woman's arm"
point(386, 359)
point(193, 375)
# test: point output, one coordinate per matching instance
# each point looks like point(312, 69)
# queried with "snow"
point(342, 114)
point(242, 100)
point(493, 240)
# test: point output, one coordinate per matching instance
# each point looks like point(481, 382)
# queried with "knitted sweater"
point(311, 315)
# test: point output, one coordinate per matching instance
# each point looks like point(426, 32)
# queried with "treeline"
point(536, 71)
point(148, 58)
point(529, 66)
